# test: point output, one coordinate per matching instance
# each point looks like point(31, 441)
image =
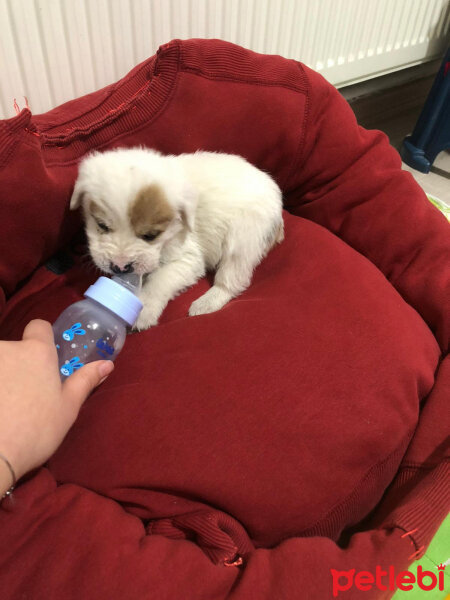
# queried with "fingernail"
point(105, 369)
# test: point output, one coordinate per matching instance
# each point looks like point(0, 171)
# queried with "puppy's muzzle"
point(118, 270)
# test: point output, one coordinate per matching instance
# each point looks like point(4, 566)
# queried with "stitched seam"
point(82, 131)
point(301, 145)
point(423, 466)
point(410, 535)
point(299, 90)
point(115, 87)
point(357, 487)
point(395, 523)
point(99, 123)
point(261, 82)
point(146, 123)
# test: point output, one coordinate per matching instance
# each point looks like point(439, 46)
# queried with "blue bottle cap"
point(117, 298)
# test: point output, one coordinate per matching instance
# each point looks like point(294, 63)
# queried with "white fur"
point(228, 216)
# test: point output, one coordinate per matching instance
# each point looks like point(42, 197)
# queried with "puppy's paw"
point(146, 319)
point(213, 300)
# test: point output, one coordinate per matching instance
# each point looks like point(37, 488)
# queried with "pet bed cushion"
point(258, 436)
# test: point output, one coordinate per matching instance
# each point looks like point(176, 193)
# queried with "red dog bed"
point(280, 436)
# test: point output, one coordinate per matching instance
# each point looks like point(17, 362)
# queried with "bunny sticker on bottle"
point(76, 329)
point(72, 365)
point(102, 319)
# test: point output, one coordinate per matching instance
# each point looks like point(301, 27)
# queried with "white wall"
point(55, 50)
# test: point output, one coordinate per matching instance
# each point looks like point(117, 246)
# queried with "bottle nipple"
point(131, 281)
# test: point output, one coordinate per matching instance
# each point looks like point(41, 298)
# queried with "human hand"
point(36, 409)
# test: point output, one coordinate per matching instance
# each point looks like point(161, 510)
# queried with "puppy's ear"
point(77, 196)
point(188, 206)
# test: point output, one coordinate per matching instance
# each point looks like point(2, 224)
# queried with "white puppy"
point(170, 218)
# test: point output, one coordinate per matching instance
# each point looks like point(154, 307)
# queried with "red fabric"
point(261, 437)
point(351, 183)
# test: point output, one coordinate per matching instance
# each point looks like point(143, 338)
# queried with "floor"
point(438, 549)
point(395, 112)
point(437, 182)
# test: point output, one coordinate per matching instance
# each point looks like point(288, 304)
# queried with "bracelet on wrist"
point(13, 476)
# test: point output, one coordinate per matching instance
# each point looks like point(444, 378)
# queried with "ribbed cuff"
point(11, 132)
point(66, 133)
point(424, 506)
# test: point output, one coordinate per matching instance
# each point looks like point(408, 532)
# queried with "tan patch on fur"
point(150, 212)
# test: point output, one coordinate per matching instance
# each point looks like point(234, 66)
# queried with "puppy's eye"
point(103, 227)
point(150, 236)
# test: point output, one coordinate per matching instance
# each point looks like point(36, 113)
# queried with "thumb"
point(80, 384)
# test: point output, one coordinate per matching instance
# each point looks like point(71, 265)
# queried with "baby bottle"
point(95, 328)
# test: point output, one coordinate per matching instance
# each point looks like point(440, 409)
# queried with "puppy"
point(171, 218)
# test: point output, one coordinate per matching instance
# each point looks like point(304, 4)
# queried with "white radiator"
point(55, 50)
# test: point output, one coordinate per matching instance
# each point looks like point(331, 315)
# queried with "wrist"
point(11, 450)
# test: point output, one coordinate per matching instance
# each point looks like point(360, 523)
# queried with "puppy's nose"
point(117, 270)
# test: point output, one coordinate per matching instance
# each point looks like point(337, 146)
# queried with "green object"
point(439, 549)
point(438, 552)
point(444, 208)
